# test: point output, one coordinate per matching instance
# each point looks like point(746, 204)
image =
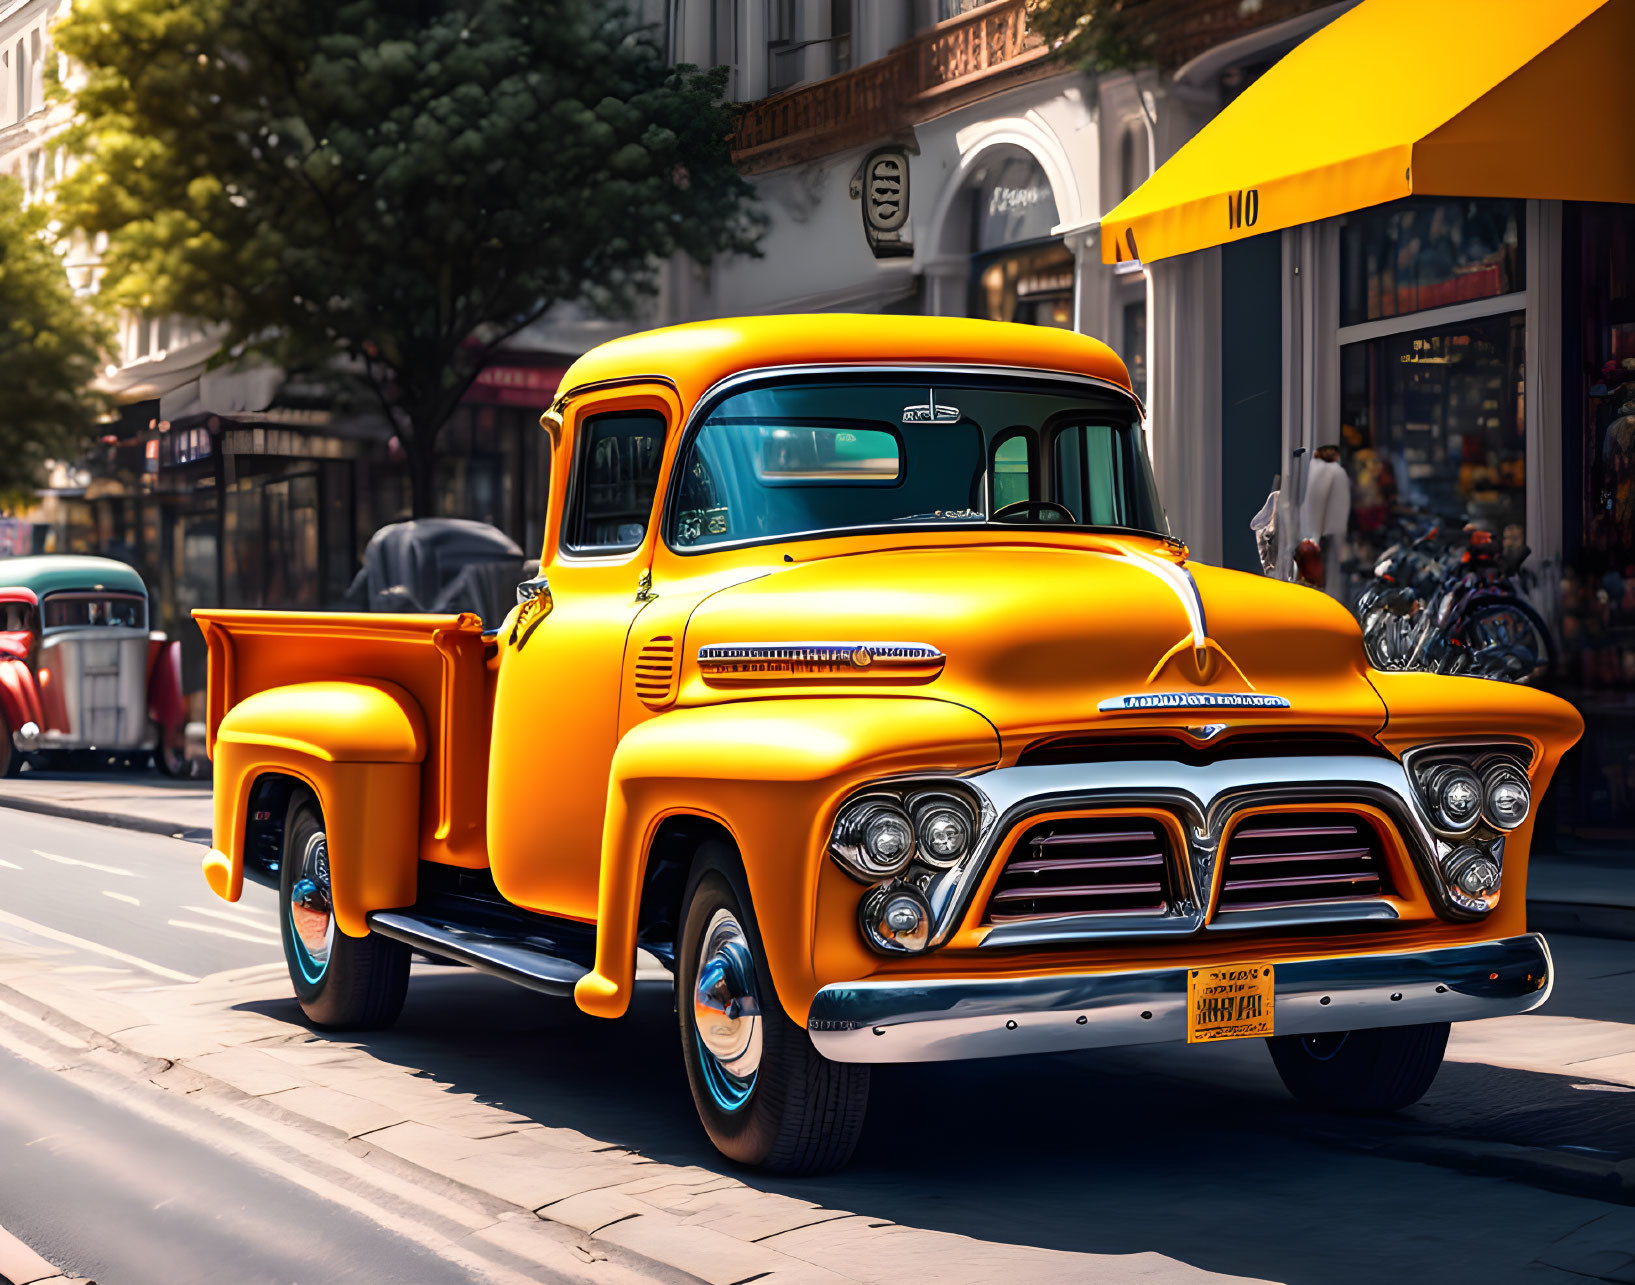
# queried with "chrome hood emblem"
point(1191, 700)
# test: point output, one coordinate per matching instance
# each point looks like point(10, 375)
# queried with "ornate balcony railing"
point(947, 66)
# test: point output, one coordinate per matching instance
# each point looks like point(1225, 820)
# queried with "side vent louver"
point(656, 672)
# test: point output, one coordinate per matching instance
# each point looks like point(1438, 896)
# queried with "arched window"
point(36, 73)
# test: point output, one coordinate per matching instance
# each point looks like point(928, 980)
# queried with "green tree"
point(51, 349)
point(1107, 35)
point(400, 184)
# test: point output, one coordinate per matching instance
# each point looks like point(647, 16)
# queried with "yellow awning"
point(1521, 98)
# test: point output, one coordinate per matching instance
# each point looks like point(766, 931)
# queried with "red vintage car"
point(82, 677)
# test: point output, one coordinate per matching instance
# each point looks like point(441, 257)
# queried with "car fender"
point(771, 772)
point(359, 745)
point(19, 694)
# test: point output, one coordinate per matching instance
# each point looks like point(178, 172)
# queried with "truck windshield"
point(818, 456)
point(79, 610)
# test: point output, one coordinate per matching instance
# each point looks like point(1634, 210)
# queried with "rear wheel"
point(1384, 1069)
point(353, 982)
point(766, 1096)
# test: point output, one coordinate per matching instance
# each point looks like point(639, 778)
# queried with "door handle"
point(534, 603)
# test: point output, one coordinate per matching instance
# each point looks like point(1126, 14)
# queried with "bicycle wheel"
point(1503, 639)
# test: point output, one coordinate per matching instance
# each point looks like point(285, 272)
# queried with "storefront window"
point(1431, 421)
point(1423, 252)
point(1019, 272)
point(1134, 347)
point(1593, 798)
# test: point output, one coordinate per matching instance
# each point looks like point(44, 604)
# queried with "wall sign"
point(882, 188)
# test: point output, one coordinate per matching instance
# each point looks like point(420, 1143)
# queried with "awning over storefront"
point(1518, 98)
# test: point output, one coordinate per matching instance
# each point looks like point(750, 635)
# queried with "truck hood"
point(1045, 640)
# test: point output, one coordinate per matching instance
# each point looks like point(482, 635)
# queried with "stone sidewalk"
point(207, 1041)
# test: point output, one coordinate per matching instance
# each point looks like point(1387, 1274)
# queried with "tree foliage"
point(403, 182)
point(50, 352)
point(1109, 35)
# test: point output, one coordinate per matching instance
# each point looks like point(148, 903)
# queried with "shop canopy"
point(1517, 98)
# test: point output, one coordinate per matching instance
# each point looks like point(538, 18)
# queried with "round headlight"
point(896, 919)
point(1454, 794)
point(1472, 872)
point(942, 829)
point(1506, 798)
point(873, 838)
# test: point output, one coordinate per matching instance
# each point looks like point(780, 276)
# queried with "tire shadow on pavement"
point(1200, 1158)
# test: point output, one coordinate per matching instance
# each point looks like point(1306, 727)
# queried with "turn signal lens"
point(873, 839)
point(1506, 798)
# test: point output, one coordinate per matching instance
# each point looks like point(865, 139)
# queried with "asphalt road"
point(1195, 1153)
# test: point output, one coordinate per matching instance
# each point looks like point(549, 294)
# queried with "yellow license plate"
point(1231, 1003)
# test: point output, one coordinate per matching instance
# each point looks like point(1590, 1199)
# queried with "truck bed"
point(441, 661)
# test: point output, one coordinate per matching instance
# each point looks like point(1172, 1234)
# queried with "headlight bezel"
point(938, 881)
point(1460, 848)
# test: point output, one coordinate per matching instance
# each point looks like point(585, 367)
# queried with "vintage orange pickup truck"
point(866, 686)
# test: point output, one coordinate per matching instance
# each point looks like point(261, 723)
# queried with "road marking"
point(9, 865)
point(89, 865)
point(44, 1028)
point(223, 932)
point(233, 917)
point(119, 896)
point(95, 947)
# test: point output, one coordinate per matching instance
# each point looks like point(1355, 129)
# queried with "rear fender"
point(359, 746)
point(770, 772)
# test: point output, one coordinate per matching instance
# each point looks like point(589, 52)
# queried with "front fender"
point(359, 746)
point(1422, 708)
point(19, 694)
point(770, 772)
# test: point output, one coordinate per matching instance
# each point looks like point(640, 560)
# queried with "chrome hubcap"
point(312, 915)
point(727, 1011)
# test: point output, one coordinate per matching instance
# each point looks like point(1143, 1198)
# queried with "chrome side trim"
point(750, 662)
point(1204, 797)
point(944, 1019)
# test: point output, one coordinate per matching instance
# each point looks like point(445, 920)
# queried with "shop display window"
point(1432, 423)
point(1594, 796)
point(1019, 272)
point(1423, 252)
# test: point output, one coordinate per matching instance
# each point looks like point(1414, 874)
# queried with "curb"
point(117, 820)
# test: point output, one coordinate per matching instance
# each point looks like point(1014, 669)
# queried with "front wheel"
point(356, 983)
point(766, 1096)
point(1383, 1069)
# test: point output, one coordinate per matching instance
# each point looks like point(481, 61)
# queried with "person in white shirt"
point(1328, 511)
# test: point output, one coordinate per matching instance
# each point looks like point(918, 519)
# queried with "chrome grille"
point(1299, 857)
point(1085, 866)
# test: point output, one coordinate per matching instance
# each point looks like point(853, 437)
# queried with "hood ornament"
point(1208, 732)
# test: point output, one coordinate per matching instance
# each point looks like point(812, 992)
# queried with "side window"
point(1012, 469)
point(1088, 478)
point(617, 474)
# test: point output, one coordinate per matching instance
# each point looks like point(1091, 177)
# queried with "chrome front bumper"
point(955, 1018)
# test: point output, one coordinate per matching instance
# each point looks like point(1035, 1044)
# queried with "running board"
point(531, 950)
